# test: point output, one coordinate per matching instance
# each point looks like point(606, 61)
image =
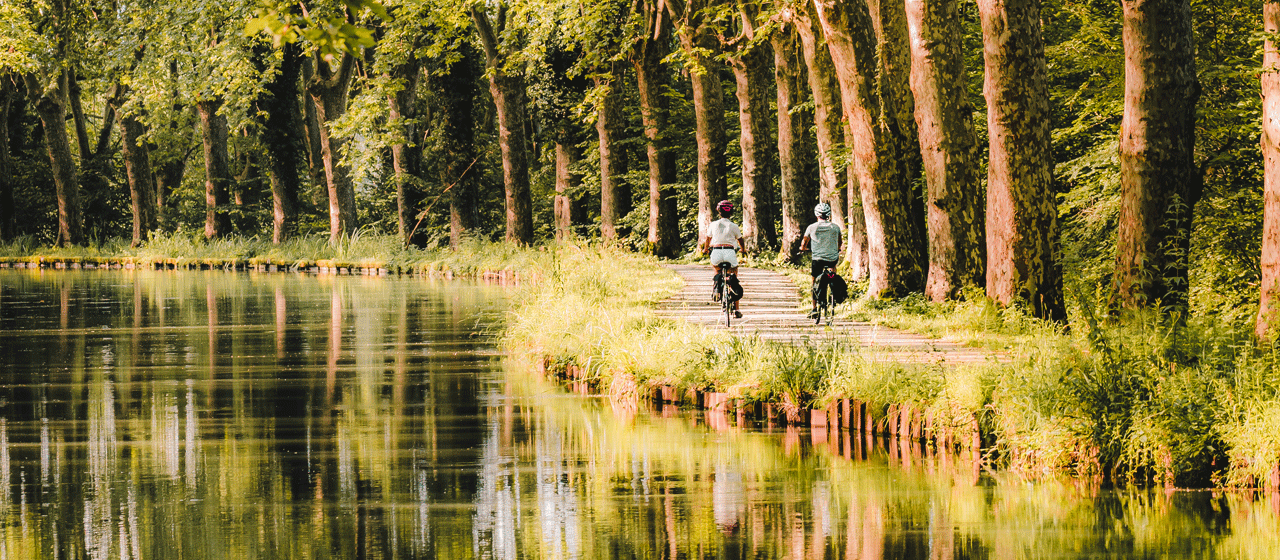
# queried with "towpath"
point(771, 310)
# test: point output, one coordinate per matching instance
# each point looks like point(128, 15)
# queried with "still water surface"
point(166, 415)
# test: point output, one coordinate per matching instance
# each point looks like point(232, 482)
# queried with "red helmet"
point(725, 206)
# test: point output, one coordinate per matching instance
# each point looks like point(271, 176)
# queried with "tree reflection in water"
point(190, 416)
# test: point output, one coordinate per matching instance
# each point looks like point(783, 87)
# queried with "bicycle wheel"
point(725, 304)
point(829, 306)
point(817, 301)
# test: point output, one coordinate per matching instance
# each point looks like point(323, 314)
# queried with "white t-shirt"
point(724, 232)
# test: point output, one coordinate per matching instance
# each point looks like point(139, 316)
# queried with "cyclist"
point(824, 239)
point(722, 241)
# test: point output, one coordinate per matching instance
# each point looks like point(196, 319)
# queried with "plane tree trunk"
point(944, 117)
point(1022, 216)
point(1159, 183)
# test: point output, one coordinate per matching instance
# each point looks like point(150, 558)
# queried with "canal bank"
point(1138, 400)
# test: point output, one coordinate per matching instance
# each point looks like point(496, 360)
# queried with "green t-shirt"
point(824, 240)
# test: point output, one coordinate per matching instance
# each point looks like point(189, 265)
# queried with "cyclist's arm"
point(804, 243)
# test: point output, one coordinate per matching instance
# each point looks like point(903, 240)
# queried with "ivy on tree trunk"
point(1022, 215)
point(1159, 182)
point(944, 117)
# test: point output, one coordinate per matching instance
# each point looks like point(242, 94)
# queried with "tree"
point(283, 136)
point(453, 85)
point(328, 88)
point(217, 167)
point(748, 57)
point(8, 223)
point(652, 46)
point(1022, 220)
point(615, 193)
point(821, 71)
point(797, 193)
point(698, 43)
point(1270, 283)
point(1159, 182)
point(955, 205)
point(506, 85)
point(872, 106)
point(137, 165)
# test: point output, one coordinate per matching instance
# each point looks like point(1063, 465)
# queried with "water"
point(217, 415)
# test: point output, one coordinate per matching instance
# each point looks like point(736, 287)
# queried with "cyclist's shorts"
point(816, 268)
point(724, 256)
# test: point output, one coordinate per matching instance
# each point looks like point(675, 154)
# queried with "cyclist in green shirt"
point(824, 239)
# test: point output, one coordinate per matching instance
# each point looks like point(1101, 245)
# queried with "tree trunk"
point(311, 122)
point(406, 155)
point(1022, 217)
point(1271, 174)
point(797, 194)
point(283, 137)
point(750, 71)
point(565, 205)
point(142, 183)
point(508, 93)
point(894, 248)
point(456, 92)
point(857, 252)
point(78, 119)
point(826, 112)
point(328, 88)
point(1159, 184)
point(948, 143)
point(664, 232)
point(8, 222)
point(615, 194)
point(697, 41)
point(51, 108)
point(217, 169)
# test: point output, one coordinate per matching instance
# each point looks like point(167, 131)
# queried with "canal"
point(194, 415)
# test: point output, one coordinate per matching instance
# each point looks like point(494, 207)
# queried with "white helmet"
point(822, 210)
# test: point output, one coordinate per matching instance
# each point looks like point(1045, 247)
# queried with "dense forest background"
point(439, 120)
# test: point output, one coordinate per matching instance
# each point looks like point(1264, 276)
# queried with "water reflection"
point(190, 416)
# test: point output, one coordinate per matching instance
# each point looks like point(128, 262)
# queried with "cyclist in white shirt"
point(723, 241)
point(823, 238)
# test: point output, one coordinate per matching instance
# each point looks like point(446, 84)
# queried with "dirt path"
point(771, 310)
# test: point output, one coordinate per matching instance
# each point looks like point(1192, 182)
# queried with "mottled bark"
point(51, 106)
point(217, 168)
point(508, 93)
point(798, 193)
point(894, 246)
point(328, 89)
point(826, 112)
point(1022, 217)
point(956, 208)
point(857, 251)
point(1159, 183)
point(664, 232)
point(142, 184)
point(1267, 313)
point(8, 223)
point(311, 123)
point(750, 64)
point(615, 194)
point(406, 155)
point(565, 205)
point(283, 136)
point(698, 42)
point(455, 93)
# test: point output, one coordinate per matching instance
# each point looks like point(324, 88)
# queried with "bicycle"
point(824, 295)
point(724, 295)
